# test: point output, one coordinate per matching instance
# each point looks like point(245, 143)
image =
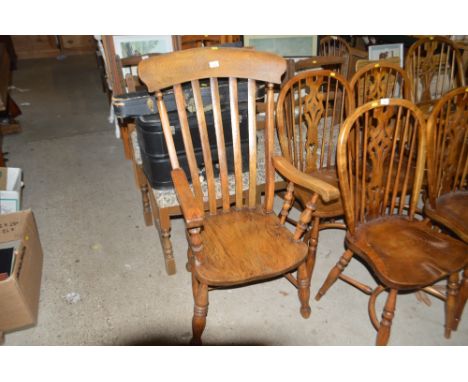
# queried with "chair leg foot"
point(383, 334)
point(303, 282)
point(200, 312)
point(451, 303)
point(334, 273)
point(462, 297)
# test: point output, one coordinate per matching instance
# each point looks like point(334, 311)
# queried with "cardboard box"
point(10, 189)
point(19, 293)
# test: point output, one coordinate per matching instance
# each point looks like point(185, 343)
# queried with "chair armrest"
point(326, 191)
point(192, 209)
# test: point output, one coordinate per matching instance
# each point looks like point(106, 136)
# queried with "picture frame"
point(386, 51)
point(284, 45)
point(127, 46)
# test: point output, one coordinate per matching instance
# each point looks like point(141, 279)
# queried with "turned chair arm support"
point(326, 191)
point(192, 209)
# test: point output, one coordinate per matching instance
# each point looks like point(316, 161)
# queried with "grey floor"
point(104, 281)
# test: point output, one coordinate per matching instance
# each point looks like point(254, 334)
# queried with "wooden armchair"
point(310, 111)
point(380, 80)
point(247, 242)
point(381, 152)
point(434, 66)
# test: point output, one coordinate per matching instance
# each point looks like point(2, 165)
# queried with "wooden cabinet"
point(42, 46)
point(77, 44)
point(35, 46)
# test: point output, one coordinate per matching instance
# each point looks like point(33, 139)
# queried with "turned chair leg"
point(334, 273)
point(303, 282)
point(451, 303)
point(462, 297)
point(146, 206)
point(313, 242)
point(200, 311)
point(383, 334)
point(165, 235)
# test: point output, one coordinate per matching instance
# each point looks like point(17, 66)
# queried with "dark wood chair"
point(310, 111)
point(434, 66)
point(381, 152)
point(244, 243)
point(447, 163)
point(380, 80)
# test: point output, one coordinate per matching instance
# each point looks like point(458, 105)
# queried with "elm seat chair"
point(380, 145)
point(434, 66)
point(447, 162)
point(336, 46)
point(244, 243)
point(380, 80)
point(310, 110)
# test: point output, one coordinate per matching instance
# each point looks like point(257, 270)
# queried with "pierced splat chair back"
point(435, 67)
point(447, 145)
point(336, 46)
point(311, 108)
point(191, 66)
point(381, 154)
point(380, 80)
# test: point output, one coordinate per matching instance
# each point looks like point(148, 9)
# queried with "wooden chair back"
point(311, 108)
point(381, 155)
point(336, 46)
point(447, 144)
point(380, 80)
point(191, 66)
point(434, 66)
point(334, 63)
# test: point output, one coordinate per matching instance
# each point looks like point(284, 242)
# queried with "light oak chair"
point(247, 242)
point(381, 152)
point(336, 46)
point(310, 111)
point(380, 80)
point(434, 66)
point(447, 162)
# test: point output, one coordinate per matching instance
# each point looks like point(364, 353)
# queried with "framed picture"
point(286, 46)
point(127, 46)
point(386, 51)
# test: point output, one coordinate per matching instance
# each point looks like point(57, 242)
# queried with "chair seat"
point(324, 210)
point(407, 254)
point(244, 246)
point(451, 210)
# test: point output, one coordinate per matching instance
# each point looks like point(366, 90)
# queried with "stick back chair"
point(336, 46)
point(434, 66)
point(381, 151)
point(380, 80)
point(310, 111)
point(246, 242)
point(447, 162)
